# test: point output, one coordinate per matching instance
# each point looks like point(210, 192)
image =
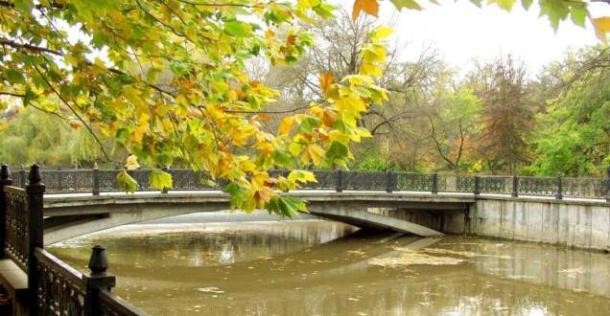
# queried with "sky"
point(463, 32)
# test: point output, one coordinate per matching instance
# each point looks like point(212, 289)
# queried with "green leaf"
point(578, 14)
point(408, 4)
point(302, 176)
point(179, 68)
point(309, 123)
point(14, 76)
point(237, 195)
point(159, 179)
point(125, 182)
point(555, 10)
point(324, 10)
point(29, 96)
point(337, 151)
point(527, 3)
point(237, 28)
point(282, 158)
point(504, 4)
point(286, 206)
point(24, 5)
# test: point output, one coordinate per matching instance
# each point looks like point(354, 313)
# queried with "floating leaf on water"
point(356, 252)
point(414, 258)
point(210, 289)
point(440, 251)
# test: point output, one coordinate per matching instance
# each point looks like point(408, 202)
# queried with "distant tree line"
point(497, 118)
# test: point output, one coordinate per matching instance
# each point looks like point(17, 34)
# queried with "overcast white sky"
point(463, 32)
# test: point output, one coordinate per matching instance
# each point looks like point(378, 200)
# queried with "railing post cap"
point(35, 177)
point(4, 172)
point(98, 263)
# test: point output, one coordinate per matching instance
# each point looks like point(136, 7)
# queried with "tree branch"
point(12, 94)
point(33, 48)
point(268, 112)
point(55, 5)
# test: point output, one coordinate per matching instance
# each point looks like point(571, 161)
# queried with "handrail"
point(97, 181)
point(114, 305)
point(70, 274)
point(55, 288)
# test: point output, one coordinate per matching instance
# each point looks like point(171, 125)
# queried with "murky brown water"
point(306, 268)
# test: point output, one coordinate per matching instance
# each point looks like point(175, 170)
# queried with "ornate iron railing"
point(61, 289)
point(96, 181)
point(16, 226)
point(54, 287)
point(112, 305)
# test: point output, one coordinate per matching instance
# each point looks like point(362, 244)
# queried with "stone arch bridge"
point(68, 216)
point(561, 210)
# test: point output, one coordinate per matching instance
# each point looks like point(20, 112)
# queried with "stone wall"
point(567, 223)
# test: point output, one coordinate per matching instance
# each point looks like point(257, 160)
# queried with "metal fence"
point(104, 180)
point(54, 287)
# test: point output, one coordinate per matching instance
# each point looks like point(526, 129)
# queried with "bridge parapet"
point(96, 181)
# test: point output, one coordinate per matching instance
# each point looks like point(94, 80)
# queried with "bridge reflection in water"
point(294, 268)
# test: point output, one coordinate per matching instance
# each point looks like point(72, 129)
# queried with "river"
point(206, 265)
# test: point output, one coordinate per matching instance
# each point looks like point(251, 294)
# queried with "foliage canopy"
point(167, 81)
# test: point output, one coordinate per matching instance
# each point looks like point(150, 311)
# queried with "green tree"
point(454, 126)
point(34, 136)
point(573, 135)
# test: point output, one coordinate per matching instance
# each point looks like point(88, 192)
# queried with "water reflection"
point(305, 268)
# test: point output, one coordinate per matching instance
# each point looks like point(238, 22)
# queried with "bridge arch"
point(68, 216)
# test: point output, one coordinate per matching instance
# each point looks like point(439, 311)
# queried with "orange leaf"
point(285, 125)
point(75, 124)
point(291, 39)
point(602, 27)
point(326, 80)
point(368, 6)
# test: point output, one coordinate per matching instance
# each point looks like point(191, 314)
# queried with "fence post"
point(34, 190)
point(97, 281)
point(515, 191)
point(95, 190)
point(22, 177)
point(477, 186)
point(5, 179)
point(339, 181)
point(559, 194)
point(165, 190)
point(434, 183)
point(390, 183)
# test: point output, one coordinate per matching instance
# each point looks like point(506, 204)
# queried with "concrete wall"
point(569, 223)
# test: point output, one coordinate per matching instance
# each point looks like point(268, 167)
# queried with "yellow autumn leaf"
point(285, 125)
point(301, 176)
point(380, 33)
point(602, 27)
point(315, 153)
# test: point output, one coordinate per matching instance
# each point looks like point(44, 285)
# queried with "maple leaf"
point(370, 7)
point(326, 80)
